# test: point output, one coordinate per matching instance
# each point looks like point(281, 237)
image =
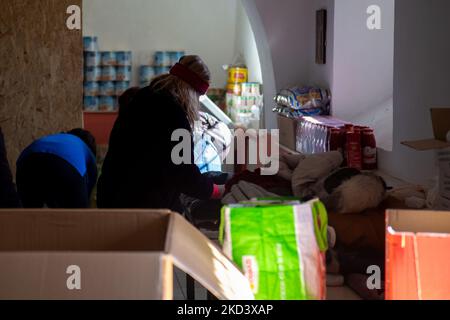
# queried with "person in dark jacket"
point(138, 171)
point(58, 171)
point(8, 194)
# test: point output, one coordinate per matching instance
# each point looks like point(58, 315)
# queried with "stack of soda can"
point(107, 74)
point(319, 134)
point(162, 62)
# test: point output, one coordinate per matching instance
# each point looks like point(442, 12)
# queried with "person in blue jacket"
point(58, 171)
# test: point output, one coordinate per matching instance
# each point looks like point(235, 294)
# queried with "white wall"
point(363, 67)
point(203, 27)
point(285, 34)
point(421, 81)
point(246, 45)
point(288, 37)
point(265, 56)
point(282, 39)
point(322, 75)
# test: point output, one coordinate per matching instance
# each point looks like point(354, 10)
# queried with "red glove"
point(218, 192)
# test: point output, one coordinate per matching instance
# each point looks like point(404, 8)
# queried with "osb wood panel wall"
point(41, 76)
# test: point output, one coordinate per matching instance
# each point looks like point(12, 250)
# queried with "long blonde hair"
point(185, 95)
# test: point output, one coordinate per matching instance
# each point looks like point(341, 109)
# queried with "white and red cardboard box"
point(417, 255)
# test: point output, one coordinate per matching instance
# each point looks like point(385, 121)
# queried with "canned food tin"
point(107, 88)
point(146, 73)
point(162, 59)
point(234, 88)
point(236, 102)
point(90, 44)
point(245, 102)
point(121, 87)
point(92, 73)
point(252, 101)
point(90, 103)
point(91, 88)
point(124, 58)
point(108, 73)
point(161, 70)
point(123, 73)
point(251, 89)
point(229, 101)
point(107, 103)
point(175, 57)
point(92, 59)
point(108, 58)
point(238, 75)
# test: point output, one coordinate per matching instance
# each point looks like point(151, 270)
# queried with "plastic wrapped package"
point(279, 245)
point(305, 100)
point(318, 134)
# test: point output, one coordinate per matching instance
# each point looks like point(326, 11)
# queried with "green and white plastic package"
point(280, 247)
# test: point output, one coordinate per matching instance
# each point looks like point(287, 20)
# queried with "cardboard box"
point(94, 254)
point(417, 255)
point(288, 132)
point(441, 126)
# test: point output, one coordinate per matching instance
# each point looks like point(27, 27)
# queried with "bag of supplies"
point(280, 247)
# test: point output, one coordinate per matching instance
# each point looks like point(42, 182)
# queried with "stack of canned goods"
point(163, 61)
point(107, 75)
point(146, 74)
point(167, 58)
point(243, 99)
point(236, 77)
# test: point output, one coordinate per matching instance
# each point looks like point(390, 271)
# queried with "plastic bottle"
point(307, 137)
point(315, 137)
point(346, 128)
point(335, 140)
point(301, 137)
point(353, 148)
point(369, 147)
point(325, 138)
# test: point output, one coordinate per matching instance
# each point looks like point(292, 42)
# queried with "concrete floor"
point(333, 293)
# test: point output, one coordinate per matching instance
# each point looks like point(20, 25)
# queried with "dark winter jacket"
point(138, 171)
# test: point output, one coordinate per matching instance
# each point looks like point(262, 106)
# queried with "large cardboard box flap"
point(201, 259)
point(440, 118)
point(417, 255)
point(108, 254)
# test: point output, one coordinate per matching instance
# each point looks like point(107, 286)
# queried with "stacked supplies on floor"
point(318, 134)
point(244, 100)
point(294, 103)
point(280, 245)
